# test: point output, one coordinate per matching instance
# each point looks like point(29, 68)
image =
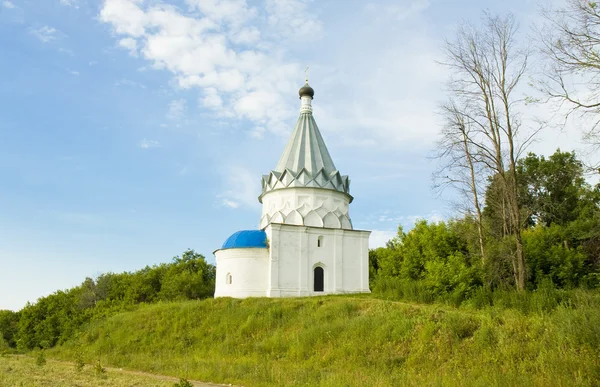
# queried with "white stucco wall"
point(314, 207)
point(248, 268)
point(286, 268)
point(294, 253)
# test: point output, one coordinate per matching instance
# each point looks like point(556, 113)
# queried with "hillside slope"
point(343, 340)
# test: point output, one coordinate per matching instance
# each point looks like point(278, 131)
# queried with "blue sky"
point(131, 130)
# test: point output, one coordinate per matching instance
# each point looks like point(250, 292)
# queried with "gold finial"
point(306, 73)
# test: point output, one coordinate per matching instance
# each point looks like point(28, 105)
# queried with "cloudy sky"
point(131, 130)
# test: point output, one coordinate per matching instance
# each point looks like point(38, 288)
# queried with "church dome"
point(306, 90)
point(245, 239)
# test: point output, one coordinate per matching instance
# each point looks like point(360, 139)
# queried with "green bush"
point(9, 326)
point(40, 359)
point(549, 257)
point(98, 369)
point(79, 363)
point(183, 383)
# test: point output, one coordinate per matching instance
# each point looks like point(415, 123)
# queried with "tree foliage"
point(56, 318)
point(560, 233)
point(437, 255)
point(9, 326)
point(553, 190)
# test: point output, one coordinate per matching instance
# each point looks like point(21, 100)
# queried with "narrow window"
point(320, 241)
point(228, 279)
point(319, 279)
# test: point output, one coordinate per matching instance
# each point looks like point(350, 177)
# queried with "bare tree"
point(570, 40)
point(457, 167)
point(487, 68)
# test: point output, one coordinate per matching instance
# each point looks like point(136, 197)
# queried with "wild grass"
point(544, 299)
point(23, 371)
point(354, 341)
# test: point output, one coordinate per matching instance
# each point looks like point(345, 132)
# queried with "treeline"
point(528, 219)
point(560, 214)
point(56, 318)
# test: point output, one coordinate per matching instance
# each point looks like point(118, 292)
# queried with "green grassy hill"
point(354, 341)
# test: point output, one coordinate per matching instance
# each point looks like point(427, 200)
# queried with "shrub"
point(98, 369)
point(183, 383)
point(79, 363)
point(40, 360)
point(461, 327)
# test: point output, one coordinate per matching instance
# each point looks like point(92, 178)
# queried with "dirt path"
point(159, 377)
point(165, 378)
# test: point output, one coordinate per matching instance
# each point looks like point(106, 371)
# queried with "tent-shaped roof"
point(306, 162)
point(306, 149)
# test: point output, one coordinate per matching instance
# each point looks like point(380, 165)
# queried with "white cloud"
point(130, 44)
point(125, 16)
point(230, 203)
point(66, 51)
point(398, 12)
point(392, 103)
point(406, 221)
point(128, 82)
point(257, 132)
point(241, 57)
point(242, 188)
point(212, 99)
point(247, 35)
point(232, 11)
point(70, 3)
point(379, 238)
point(73, 72)
point(207, 49)
point(177, 109)
point(149, 144)
point(292, 18)
point(45, 34)
point(8, 4)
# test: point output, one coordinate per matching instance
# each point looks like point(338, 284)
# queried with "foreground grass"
point(23, 371)
point(350, 341)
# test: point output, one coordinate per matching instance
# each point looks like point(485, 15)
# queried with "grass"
point(23, 371)
point(351, 341)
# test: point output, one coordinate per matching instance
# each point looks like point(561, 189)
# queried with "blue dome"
point(246, 238)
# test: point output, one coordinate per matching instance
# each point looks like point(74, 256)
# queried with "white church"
point(305, 245)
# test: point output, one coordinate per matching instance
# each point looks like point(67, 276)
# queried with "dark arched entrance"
point(319, 279)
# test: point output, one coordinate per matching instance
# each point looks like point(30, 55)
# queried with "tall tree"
point(552, 189)
point(570, 40)
point(487, 67)
point(9, 326)
point(457, 164)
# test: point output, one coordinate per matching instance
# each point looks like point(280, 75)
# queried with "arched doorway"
point(319, 279)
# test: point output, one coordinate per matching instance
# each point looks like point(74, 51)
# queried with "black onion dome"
point(306, 90)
